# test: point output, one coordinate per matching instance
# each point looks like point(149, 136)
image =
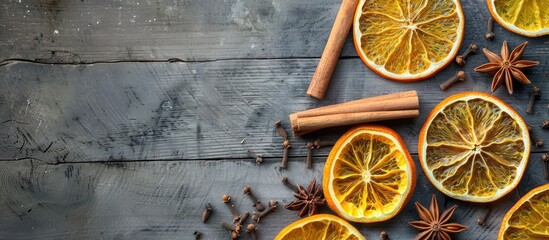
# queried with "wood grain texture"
point(141, 145)
point(163, 200)
point(151, 30)
point(156, 111)
point(102, 30)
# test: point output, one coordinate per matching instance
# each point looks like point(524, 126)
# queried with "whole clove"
point(257, 216)
point(284, 180)
point(536, 91)
point(227, 200)
point(489, 33)
point(545, 124)
point(252, 230)
point(286, 143)
point(206, 212)
point(257, 157)
point(197, 234)
point(538, 142)
point(384, 236)
point(460, 60)
point(323, 143)
point(459, 77)
point(256, 203)
point(235, 230)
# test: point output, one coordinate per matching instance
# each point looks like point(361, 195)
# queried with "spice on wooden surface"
point(433, 224)
point(206, 212)
point(252, 230)
point(308, 200)
point(544, 124)
point(256, 203)
point(506, 67)
point(286, 143)
point(459, 77)
point(257, 216)
point(227, 200)
point(538, 142)
point(257, 157)
point(328, 61)
point(460, 60)
point(386, 107)
point(534, 93)
point(489, 33)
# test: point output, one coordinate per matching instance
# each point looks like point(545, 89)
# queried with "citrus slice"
point(408, 40)
point(369, 175)
point(320, 227)
point(474, 147)
point(528, 18)
point(528, 218)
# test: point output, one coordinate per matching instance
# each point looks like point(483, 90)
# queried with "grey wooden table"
point(121, 119)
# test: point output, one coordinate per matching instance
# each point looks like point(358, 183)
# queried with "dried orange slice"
point(528, 18)
point(528, 218)
point(408, 40)
point(320, 227)
point(369, 175)
point(474, 147)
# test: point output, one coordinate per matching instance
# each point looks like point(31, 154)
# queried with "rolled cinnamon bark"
point(387, 107)
point(332, 50)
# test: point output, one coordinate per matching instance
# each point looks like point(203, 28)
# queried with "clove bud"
point(227, 200)
point(538, 142)
point(288, 184)
point(545, 124)
point(489, 34)
point(286, 144)
point(460, 60)
point(206, 212)
point(235, 230)
point(384, 235)
point(258, 157)
point(459, 77)
point(257, 204)
point(272, 207)
point(251, 229)
point(197, 234)
point(533, 95)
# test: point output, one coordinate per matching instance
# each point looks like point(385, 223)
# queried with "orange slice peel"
point(320, 227)
point(369, 175)
point(527, 18)
point(408, 41)
point(528, 218)
point(474, 147)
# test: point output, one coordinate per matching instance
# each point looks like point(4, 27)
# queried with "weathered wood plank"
point(163, 200)
point(125, 111)
point(91, 31)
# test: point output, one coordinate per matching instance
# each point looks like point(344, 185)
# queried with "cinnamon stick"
point(380, 108)
point(395, 101)
point(332, 50)
point(309, 124)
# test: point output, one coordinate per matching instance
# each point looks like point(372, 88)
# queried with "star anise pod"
point(435, 226)
point(506, 67)
point(308, 200)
